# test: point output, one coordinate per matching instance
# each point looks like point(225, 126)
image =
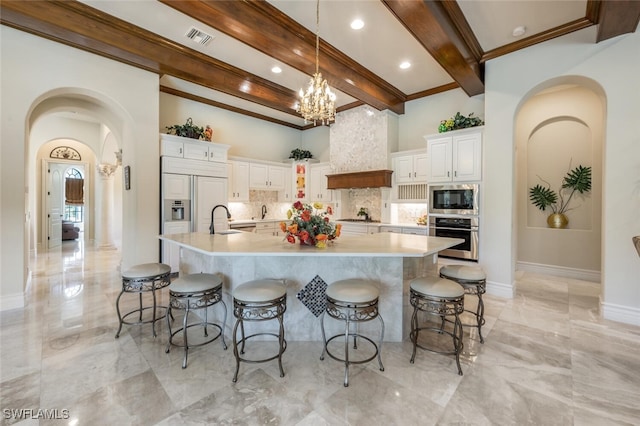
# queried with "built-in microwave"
point(459, 199)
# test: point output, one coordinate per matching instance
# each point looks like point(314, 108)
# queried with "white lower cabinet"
point(268, 228)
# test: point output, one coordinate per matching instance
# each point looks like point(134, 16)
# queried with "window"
point(73, 212)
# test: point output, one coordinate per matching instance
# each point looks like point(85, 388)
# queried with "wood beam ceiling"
point(265, 28)
point(78, 25)
point(455, 49)
point(616, 18)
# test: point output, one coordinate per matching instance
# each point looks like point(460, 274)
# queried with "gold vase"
point(557, 220)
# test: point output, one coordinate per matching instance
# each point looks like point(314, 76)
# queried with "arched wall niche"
point(560, 125)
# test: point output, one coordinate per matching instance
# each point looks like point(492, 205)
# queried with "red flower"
point(305, 215)
point(298, 205)
point(326, 219)
point(291, 239)
point(304, 235)
point(329, 210)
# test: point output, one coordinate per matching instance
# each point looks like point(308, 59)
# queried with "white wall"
point(248, 137)
point(40, 76)
point(613, 65)
point(422, 116)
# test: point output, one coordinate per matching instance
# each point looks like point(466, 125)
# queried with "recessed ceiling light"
point(357, 24)
point(276, 70)
point(404, 65)
point(518, 31)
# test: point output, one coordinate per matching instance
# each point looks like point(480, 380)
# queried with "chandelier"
point(317, 103)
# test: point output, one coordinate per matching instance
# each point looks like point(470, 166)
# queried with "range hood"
point(365, 179)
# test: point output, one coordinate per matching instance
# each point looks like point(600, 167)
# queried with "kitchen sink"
point(230, 231)
point(358, 220)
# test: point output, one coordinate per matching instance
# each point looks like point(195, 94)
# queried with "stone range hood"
point(364, 179)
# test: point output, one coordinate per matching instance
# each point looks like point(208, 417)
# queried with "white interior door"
point(55, 203)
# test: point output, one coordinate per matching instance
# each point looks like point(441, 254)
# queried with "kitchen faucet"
point(264, 211)
point(211, 230)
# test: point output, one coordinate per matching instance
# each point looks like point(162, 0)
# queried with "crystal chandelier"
point(317, 103)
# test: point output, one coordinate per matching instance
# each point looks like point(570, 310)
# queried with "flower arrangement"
point(459, 121)
point(187, 130)
point(310, 225)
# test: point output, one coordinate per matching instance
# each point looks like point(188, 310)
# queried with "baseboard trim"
point(560, 271)
point(500, 289)
point(619, 313)
point(12, 301)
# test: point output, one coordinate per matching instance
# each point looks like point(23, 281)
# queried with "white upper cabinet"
point(455, 156)
point(318, 182)
point(410, 168)
point(177, 146)
point(265, 176)
point(238, 181)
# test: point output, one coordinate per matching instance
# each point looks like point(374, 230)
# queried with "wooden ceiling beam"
point(78, 25)
point(265, 28)
point(616, 18)
point(438, 27)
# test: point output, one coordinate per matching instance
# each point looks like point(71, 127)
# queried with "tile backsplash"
point(252, 209)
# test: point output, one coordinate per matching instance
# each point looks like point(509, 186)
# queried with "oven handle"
point(474, 229)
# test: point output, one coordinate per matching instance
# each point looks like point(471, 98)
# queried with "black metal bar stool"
point(352, 301)
point(474, 281)
point(442, 298)
point(192, 292)
point(259, 300)
point(143, 278)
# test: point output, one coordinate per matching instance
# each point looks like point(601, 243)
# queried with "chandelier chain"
point(317, 103)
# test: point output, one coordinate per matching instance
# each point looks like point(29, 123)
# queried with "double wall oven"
point(453, 213)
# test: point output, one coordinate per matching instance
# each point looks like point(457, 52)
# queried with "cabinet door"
point(420, 168)
point(175, 187)
point(286, 195)
point(196, 151)
point(218, 154)
point(276, 177)
point(403, 169)
point(238, 181)
point(258, 176)
point(209, 193)
point(318, 183)
point(467, 157)
point(439, 160)
point(172, 148)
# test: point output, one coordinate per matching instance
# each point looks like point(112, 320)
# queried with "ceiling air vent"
point(198, 36)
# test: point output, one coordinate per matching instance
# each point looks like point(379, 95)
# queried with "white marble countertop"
point(370, 245)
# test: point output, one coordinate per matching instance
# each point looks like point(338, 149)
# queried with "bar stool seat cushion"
point(462, 272)
point(195, 283)
point(146, 270)
point(437, 287)
point(352, 290)
point(260, 291)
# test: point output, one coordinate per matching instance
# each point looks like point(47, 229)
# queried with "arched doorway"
point(86, 127)
point(559, 126)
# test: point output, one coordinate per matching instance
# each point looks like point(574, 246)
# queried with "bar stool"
point(146, 277)
point(352, 301)
point(191, 292)
point(439, 297)
point(259, 300)
point(474, 281)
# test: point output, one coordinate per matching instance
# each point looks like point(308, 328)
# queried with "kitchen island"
point(389, 260)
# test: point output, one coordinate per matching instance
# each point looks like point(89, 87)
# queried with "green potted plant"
point(187, 130)
point(300, 154)
point(459, 121)
point(578, 179)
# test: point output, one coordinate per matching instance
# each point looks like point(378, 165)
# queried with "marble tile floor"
point(548, 359)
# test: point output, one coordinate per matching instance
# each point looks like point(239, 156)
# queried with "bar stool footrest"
point(326, 349)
